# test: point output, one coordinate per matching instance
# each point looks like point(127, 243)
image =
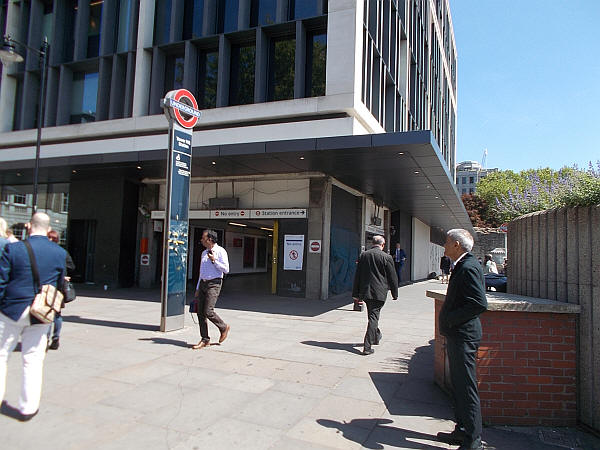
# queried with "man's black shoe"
point(457, 437)
point(54, 344)
point(472, 445)
point(368, 351)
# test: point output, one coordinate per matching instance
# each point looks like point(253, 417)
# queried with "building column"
point(319, 228)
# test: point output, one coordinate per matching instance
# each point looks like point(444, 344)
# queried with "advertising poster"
point(293, 251)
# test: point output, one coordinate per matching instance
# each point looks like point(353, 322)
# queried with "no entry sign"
point(314, 246)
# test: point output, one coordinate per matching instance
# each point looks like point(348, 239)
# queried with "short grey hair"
point(463, 237)
point(378, 240)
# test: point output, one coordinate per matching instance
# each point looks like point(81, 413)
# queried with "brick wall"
point(526, 368)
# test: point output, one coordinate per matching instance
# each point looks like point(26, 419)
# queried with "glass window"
point(471, 180)
point(162, 21)
point(227, 18)
point(69, 31)
point(241, 81)
point(124, 30)
point(281, 69)
point(317, 54)
point(301, 9)
point(94, 25)
point(174, 72)
point(83, 97)
point(248, 259)
point(65, 202)
point(208, 66)
point(464, 180)
point(193, 17)
point(263, 12)
point(20, 199)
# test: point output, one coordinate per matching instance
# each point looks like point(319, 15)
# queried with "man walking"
point(459, 323)
point(213, 264)
point(375, 275)
point(17, 291)
point(399, 259)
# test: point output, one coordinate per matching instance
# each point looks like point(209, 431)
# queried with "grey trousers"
point(207, 299)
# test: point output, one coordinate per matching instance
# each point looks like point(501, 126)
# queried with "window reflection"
point(317, 59)
point(281, 69)
point(241, 85)
point(84, 96)
point(174, 72)
point(124, 29)
point(227, 20)
point(302, 9)
point(69, 31)
point(162, 21)
point(193, 17)
point(208, 66)
point(47, 29)
point(263, 12)
point(94, 25)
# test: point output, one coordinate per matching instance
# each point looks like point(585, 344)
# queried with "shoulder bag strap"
point(34, 268)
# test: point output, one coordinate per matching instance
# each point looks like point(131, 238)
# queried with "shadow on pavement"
point(387, 435)
point(335, 346)
point(164, 341)
point(110, 323)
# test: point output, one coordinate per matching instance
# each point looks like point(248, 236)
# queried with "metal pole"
point(40, 119)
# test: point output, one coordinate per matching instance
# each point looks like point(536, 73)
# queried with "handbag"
point(48, 300)
point(69, 292)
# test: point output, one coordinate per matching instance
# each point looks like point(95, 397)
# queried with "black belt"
point(212, 280)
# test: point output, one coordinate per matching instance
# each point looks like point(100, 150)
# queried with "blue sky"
point(528, 82)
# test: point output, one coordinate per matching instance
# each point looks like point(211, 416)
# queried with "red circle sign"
point(293, 255)
point(315, 246)
point(184, 94)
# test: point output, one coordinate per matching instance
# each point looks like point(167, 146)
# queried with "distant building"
point(468, 174)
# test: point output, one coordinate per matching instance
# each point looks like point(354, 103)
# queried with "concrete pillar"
point(319, 216)
point(282, 11)
point(129, 85)
point(300, 63)
point(190, 68)
point(344, 40)
point(143, 63)
point(63, 111)
point(118, 87)
point(223, 72)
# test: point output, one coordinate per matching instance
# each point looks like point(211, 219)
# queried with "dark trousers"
point(207, 299)
point(398, 266)
point(373, 334)
point(461, 356)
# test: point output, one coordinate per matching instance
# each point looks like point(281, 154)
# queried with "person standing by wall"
point(459, 323)
point(17, 291)
point(399, 259)
point(214, 263)
point(375, 275)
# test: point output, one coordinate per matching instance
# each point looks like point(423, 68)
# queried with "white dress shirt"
point(210, 270)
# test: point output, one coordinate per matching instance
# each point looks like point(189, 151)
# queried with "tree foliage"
point(509, 194)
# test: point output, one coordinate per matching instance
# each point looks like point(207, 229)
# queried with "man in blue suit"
point(17, 291)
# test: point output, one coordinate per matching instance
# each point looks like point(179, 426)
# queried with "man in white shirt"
point(213, 265)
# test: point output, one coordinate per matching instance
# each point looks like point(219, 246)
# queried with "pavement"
point(289, 376)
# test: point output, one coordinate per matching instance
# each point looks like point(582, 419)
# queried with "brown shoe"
point(224, 334)
point(200, 345)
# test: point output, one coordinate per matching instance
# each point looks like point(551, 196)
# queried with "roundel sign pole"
point(182, 113)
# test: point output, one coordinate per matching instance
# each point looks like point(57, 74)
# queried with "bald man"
point(17, 291)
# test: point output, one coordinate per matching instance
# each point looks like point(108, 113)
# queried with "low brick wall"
point(526, 368)
point(526, 364)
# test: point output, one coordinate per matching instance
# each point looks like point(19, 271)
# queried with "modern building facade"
point(331, 120)
point(468, 174)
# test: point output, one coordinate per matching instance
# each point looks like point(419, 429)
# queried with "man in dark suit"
point(375, 275)
point(459, 323)
point(17, 291)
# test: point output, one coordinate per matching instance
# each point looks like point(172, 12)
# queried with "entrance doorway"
point(82, 245)
point(249, 245)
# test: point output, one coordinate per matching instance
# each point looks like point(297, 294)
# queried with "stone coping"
point(499, 301)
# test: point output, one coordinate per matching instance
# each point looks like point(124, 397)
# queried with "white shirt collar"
point(460, 257)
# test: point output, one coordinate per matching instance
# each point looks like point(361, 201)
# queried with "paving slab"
point(289, 376)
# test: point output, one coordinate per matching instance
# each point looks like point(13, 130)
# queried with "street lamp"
point(8, 55)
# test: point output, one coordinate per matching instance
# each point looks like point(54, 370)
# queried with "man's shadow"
point(351, 348)
point(164, 341)
point(381, 435)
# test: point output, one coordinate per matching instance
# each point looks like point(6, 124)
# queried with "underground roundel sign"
point(181, 106)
